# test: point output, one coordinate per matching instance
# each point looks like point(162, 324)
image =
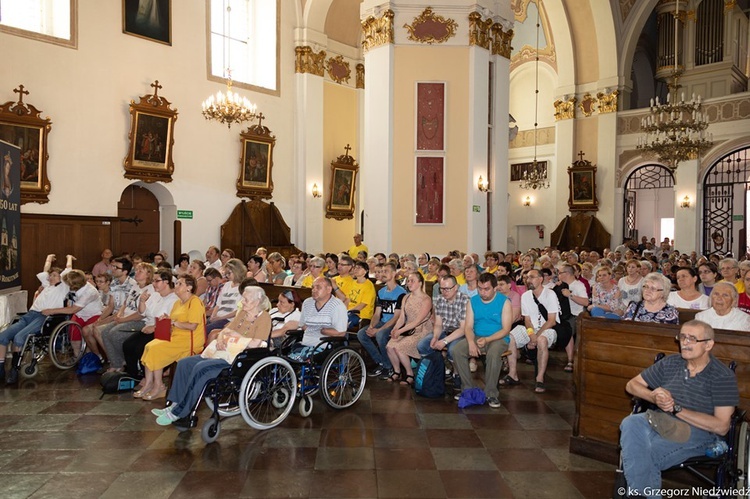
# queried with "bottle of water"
point(718, 448)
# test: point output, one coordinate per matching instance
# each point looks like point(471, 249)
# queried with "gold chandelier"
point(229, 108)
point(676, 130)
point(536, 178)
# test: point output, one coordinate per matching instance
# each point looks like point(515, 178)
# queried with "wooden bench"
point(610, 353)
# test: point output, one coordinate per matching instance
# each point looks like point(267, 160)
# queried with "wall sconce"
point(315, 192)
point(527, 201)
point(483, 185)
point(685, 202)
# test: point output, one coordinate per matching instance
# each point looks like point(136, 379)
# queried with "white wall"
point(86, 93)
point(651, 206)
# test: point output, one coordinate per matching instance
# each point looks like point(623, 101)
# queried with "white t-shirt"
point(735, 320)
point(577, 289)
point(701, 303)
point(548, 298)
point(294, 315)
point(50, 296)
point(88, 298)
point(229, 298)
point(331, 315)
point(630, 292)
point(131, 301)
point(158, 305)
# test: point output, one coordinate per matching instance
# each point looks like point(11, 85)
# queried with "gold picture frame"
point(343, 184)
point(151, 138)
point(21, 124)
point(153, 23)
point(582, 186)
point(255, 180)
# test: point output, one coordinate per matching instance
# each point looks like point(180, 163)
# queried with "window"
point(243, 38)
point(667, 228)
point(51, 21)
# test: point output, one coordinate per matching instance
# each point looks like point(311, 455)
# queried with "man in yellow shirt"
point(358, 246)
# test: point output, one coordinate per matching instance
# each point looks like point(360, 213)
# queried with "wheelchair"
point(53, 339)
point(722, 474)
point(263, 385)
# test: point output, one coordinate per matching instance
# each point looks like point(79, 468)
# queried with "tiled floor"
point(59, 440)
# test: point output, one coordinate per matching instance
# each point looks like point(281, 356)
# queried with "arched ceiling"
point(342, 23)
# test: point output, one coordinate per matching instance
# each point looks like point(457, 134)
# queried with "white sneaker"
point(160, 412)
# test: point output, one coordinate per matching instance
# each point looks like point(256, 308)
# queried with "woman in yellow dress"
point(188, 335)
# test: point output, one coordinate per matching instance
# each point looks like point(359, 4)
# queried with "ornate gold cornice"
point(587, 104)
point(338, 69)
point(479, 30)
point(501, 40)
point(377, 31)
point(565, 109)
point(430, 28)
point(307, 61)
point(607, 102)
point(360, 75)
point(729, 5)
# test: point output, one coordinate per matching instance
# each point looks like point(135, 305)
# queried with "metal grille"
point(645, 177)
point(719, 186)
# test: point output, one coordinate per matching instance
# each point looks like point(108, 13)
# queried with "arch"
point(560, 26)
point(167, 210)
point(607, 40)
point(631, 35)
point(719, 152)
point(649, 176)
point(315, 14)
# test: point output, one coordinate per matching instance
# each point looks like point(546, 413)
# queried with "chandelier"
point(536, 177)
point(230, 107)
point(676, 130)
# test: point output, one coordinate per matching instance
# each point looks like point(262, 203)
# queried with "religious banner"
point(10, 216)
point(430, 190)
point(430, 116)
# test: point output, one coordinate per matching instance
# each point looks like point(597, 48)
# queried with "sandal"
point(568, 367)
point(394, 377)
point(508, 381)
point(408, 380)
point(540, 388)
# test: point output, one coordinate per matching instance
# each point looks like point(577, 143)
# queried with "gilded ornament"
point(479, 30)
point(360, 75)
point(377, 31)
point(608, 102)
point(307, 61)
point(587, 104)
point(565, 109)
point(338, 69)
point(430, 28)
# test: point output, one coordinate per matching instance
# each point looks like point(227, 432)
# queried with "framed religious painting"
point(21, 124)
point(151, 138)
point(343, 182)
point(255, 180)
point(430, 191)
point(582, 186)
point(149, 19)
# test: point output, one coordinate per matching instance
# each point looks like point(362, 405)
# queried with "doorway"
point(140, 221)
point(649, 199)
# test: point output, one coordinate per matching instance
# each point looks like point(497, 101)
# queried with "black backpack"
point(430, 378)
point(116, 382)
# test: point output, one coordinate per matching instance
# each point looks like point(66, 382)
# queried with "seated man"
point(488, 322)
point(322, 315)
point(541, 312)
point(374, 337)
point(692, 390)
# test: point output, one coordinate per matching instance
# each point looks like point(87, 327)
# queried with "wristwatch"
point(677, 408)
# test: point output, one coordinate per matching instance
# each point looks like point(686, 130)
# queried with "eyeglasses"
point(447, 289)
point(316, 266)
point(116, 267)
point(158, 280)
point(689, 339)
point(651, 288)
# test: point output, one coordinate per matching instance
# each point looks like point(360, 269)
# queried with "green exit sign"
point(185, 214)
point(738, 218)
point(475, 208)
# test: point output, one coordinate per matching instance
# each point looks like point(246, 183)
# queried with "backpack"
point(116, 382)
point(89, 363)
point(430, 378)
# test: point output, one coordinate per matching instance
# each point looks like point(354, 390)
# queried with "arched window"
point(645, 182)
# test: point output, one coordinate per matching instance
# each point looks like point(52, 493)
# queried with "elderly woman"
point(423, 260)
point(249, 329)
point(188, 336)
point(653, 307)
point(151, 306)
point(724, 313)
point(688, 296)
point(433, 264)
point(471, 273)
point(316, 266)
point(709, 275)
point(414, 319)
point(457, 270)
point(630, 284)
point(605, 296)
point(285, 316)
point(128, 319)
point(229, 297)
point(298, 271)
point(730, 272)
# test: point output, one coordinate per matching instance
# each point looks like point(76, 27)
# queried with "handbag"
point(163, 329)
point(668, 426)
point(414, 329)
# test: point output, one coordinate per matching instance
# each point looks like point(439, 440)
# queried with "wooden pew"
point(609, 354)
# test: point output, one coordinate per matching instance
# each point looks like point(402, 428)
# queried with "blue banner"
point(10, 216)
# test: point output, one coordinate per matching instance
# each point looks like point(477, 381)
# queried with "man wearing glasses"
point(695, 395)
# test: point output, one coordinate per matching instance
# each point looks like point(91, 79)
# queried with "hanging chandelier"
point(536, 177)
point(230, 107)
point(675, 131)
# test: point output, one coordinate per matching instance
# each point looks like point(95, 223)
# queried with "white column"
point(377, 151)
point(565, 154)
point(500, 162)
point(606, 163)
point(476, 223)
point(686, 219)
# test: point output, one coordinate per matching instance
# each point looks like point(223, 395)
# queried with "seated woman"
point(653, 307)
point(215, 282)
point(188, 336)
point(151, 306)
point(630, 284)
point(249, 329)
point(298, 270)
point(102, 282)
point(605, 296)
point(317, 264)
point(229, 297)
point(52, 295)
point(255, 269)
point(285, 316)
point(709, 274)
point(416, 317)
point(275, 267)
point(724, 313)
point(688, 296)
point(196, 269)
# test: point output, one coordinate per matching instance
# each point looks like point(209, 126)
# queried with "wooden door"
point(138, 213)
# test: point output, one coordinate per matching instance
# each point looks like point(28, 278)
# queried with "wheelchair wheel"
point(210, 430)
point(343, 378)
point(258, 397)
point(61, 351)
point(743, 456)
point(229, 404)
point(305, 406)
point(29, 370)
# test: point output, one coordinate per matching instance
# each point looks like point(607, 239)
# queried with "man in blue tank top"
point(488, 320)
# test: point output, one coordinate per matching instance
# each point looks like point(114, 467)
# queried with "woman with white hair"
point(653, 307)
point(724, 313)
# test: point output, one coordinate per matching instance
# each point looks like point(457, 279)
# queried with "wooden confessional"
point(580, 231)
point(253, 224)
